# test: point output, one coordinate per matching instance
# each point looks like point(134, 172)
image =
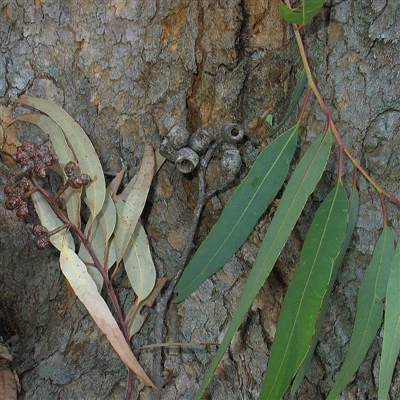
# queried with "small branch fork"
point(162, 303)
point(330, 124)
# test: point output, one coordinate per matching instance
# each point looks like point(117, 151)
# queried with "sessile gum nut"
point(178, 137)
point(232, 133)
point(186, 160)
point(231, 161)
point(200, 140)
point(167, 150)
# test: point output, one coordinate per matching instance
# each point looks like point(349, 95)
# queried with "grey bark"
point(128, 71)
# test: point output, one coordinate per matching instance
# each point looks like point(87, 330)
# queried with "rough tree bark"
point(129, 70)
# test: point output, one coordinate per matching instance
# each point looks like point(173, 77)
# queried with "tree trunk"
point(130, 70)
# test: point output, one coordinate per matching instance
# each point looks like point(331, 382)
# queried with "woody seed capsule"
point(186, 160)
point(178, 137)
point(200, 140)
point(167, 150)
point(231, 161)
point(232, 133)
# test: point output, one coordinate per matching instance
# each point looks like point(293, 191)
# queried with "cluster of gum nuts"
point(185, 150)
point(34, 161)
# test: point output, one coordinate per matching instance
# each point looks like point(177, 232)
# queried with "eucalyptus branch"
point(162, 303)
point(96, 263)
point(330, 122)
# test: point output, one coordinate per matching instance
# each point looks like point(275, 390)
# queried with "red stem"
point(330, 124)
point(382, 200)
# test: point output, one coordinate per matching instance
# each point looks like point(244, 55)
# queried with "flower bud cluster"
point(15, 188)
point(33, 161)
point(42, 236)
point(74, 180)
point(185, 150)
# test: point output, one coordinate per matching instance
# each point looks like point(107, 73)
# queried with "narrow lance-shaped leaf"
point(391, 328)
point(305, 295)
point(240, 214)
point(84, 287)
point(139, 264)
point(49, 219)
point(301, 15)
point(369, 310)
point(71, 197)
point(299, 187)
point(353, 216)
point(294, 99)
point(100, 232)
point(134, 204)
point(81, 146)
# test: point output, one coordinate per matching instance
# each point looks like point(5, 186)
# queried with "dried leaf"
point(8, 384)
point(100, 232)
point(139, 264)
point(135, 319)
point(86, 290)
point(9, 141)
point(134, 204)
point(116, 183)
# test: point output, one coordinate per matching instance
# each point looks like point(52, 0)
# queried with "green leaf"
point(391, 328)
point(369, 310)
point(303, 14)
point(299, 187)
point(139, 264)
point(353, 216)
point(49, 219)
point(86, 290)
point(240, 214)
point(294, 99)
point(269, 119)
point(71, 197)
point(305, 295)
point(80, 145)
point(133, 207)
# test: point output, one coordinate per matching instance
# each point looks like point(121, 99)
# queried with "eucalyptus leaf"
point(299, 187)
point(134, 203)
point(391, 328)
point(305, 296)
point(80, 145)
point(71, 197)
point(49, 219)
point(139, 264)
point(369, 310)
point(99, 232)
point(354, 201)
point(86, 290)
point(294, 100)
point(301, 15)
point(250, 200)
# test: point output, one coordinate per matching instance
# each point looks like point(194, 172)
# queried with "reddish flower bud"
point(41, 170)
point(42, 242)
point(70, 169)
point(22, 211)
point(13, 202)
point(85, 178)
point(75, 182)
point(38, 229)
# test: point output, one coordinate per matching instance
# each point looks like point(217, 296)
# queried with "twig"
point(162, 302)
